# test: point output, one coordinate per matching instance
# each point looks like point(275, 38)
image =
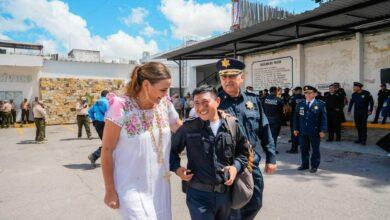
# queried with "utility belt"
point(219, 188)
point(81, 115)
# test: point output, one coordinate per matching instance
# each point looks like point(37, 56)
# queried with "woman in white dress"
point(136, 146)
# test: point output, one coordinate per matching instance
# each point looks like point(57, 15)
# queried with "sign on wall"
point(4, 77)
point(272, 72)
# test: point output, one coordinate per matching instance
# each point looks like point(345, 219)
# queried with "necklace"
point(157, 147)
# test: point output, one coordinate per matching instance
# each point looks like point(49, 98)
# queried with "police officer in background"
point(215, 157)
point(343, 94)
point(310, 124)
point(273, 109)
point(247, 108)
point(363, 105)
point(383, 94)
point(334, 105)
point(287, 110)
point(295, 99)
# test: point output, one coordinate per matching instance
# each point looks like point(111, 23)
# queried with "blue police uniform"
point(386, 109)
point(310, 119)
point(247, 109)
point(273, 109)
point(207, 196)
point(293, 102)
point(362, 103)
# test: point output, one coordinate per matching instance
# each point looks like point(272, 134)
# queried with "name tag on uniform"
point(301, 111)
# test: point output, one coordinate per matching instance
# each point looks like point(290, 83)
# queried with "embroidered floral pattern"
point(125, 112)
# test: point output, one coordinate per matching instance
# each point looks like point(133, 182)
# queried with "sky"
point(120, 28)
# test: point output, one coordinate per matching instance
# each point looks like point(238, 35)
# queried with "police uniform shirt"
point(383, 95)
point(310, 119)
point(334, 102)
point(273, 108)
point(361, 101)
point(247, 109)
point(208, 153)
point(294, 100)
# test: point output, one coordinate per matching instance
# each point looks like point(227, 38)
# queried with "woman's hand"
point(111, 199)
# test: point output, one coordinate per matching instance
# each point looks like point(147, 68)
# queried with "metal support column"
point(180, 93)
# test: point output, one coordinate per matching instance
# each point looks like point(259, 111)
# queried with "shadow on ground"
point(82, 166)
point(77, 139)
point(27, 142)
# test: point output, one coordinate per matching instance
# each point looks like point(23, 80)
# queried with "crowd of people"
point(223, 133)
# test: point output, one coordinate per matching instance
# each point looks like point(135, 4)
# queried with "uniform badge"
point(225, 63)
point(315, 107)
point(249, 105)
point(362, 96)
point(302, 111)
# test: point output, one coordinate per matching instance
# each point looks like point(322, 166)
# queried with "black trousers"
point(334, 125)
point(294, 139)
point(275, 130)
point(377, 113)
point(25, 114)
point(13, 113)
point(99, 126)
point(360, 118)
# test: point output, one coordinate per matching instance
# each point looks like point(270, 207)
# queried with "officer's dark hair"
point(104, 93)
point(204, 89)
point(272, 89)
point(151, 71)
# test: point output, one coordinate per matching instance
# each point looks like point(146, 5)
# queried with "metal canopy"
point(335, 18)
point(19, 45)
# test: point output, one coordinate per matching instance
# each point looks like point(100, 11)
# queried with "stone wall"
point(60, 95)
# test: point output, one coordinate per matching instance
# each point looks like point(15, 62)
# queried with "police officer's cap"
point(229, 66)
point(358, 84)
point(309, 89)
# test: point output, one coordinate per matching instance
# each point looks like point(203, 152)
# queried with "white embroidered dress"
point(140, 174)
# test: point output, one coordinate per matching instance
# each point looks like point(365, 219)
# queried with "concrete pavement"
point(56, 181)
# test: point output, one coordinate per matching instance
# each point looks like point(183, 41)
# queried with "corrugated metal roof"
point(20, 45)
point(337, 17)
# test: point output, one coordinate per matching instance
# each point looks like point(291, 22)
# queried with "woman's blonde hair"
point(151, 71)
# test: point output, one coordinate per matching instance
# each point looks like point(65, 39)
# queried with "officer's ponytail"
point(151, 71)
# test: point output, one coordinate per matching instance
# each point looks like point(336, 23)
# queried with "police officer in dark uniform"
point(295, 99)
point(343, 94)
point(334, 105)
point(273, 109)
point(215, 156)
point(246, 107)
point(383, 94)
point(286, 98)
point(363, 105)
point(310, 124)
